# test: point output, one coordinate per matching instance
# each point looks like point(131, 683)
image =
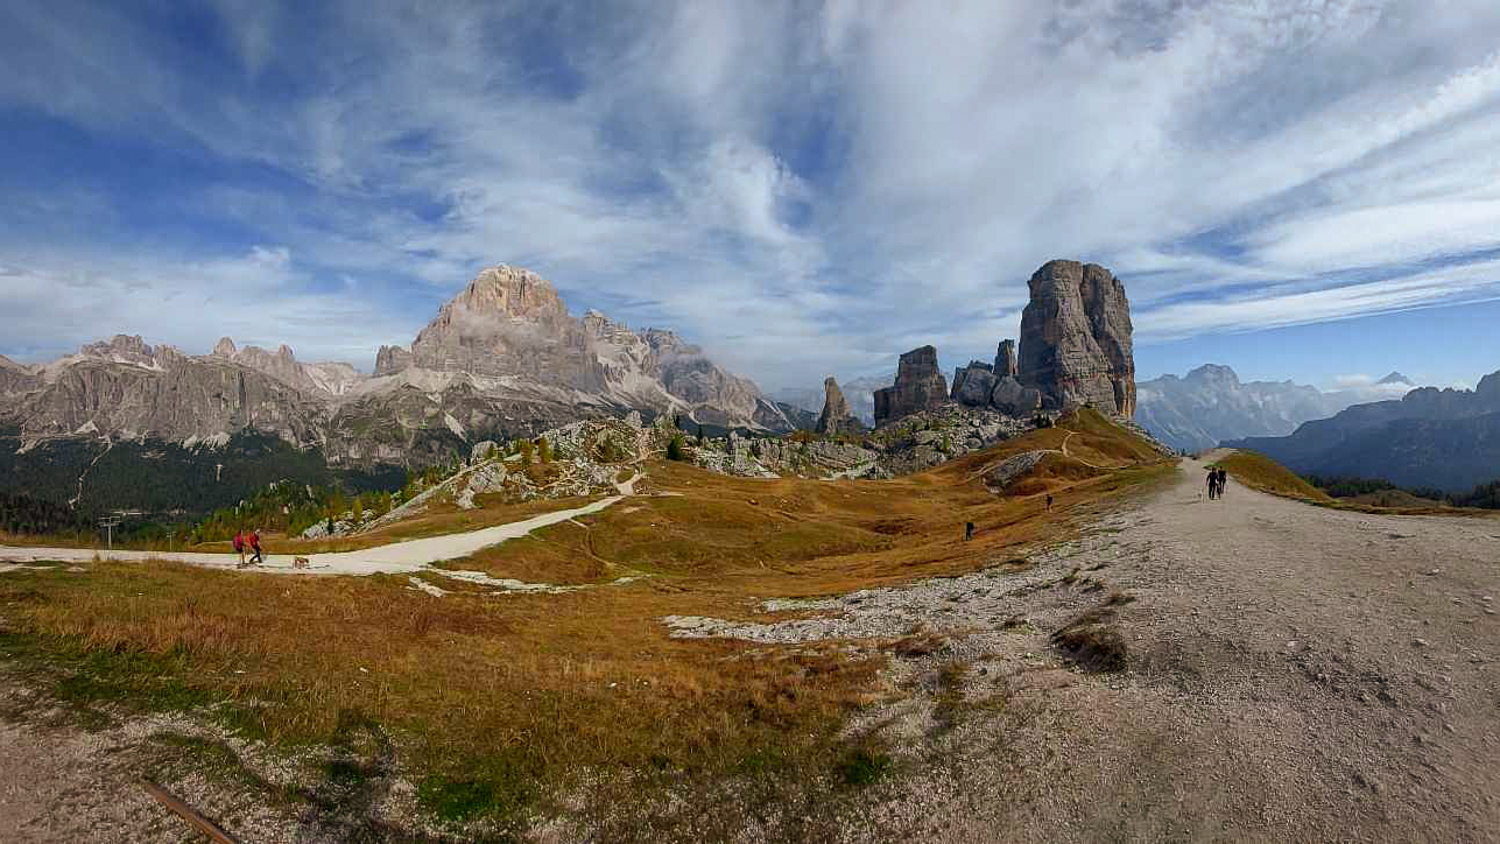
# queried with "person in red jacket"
point(255, 546)
point(239, 547)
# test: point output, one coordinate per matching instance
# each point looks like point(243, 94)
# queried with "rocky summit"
point(836, 418)
point(504, 358)
point(920, 385)
point(1076, 338)
point(1007, 365)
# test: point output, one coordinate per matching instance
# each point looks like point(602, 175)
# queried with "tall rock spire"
point(1076, 338)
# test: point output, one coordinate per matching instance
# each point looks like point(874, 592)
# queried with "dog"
point(300, 562)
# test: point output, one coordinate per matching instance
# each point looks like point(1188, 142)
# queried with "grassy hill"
point(1258, 471)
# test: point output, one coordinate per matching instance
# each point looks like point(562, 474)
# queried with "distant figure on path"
point(255, 546)
point(1049, 501)
point(1213, 484)
point(239, 546)
point(1223, 481)
point(968, 531)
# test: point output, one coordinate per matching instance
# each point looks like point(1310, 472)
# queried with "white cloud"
point(801, 190)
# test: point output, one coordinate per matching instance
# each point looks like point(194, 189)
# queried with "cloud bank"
point(802, 188)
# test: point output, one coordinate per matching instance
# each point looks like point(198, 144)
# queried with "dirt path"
point(396, 558)
point(1295, 673)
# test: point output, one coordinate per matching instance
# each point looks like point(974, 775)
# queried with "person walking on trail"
point(968, 531)
point(239, 547)
point(1213, 484)
point(255, 546)
point(1223, 481)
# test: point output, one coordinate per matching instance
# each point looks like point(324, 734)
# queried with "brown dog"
point(299, 562)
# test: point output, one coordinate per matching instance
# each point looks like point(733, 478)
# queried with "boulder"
point(919, 386)
point(973, 384)
point(1014, 399)
point(481, 450)
point(1076, 338)
point(836, 418)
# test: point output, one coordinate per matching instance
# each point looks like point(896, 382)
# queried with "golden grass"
point(518, 695)
point(1260, 472)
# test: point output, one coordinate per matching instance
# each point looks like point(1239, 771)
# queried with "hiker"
point(968, 531)
point(255, 546)
point(1049, 501)
point(1223, 481)
point(239, 547)
point(1213, 484)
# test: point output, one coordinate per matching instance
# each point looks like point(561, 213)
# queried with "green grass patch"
point(863, 765)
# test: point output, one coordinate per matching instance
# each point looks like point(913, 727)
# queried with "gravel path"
point(1295, 674)
point(396, 558)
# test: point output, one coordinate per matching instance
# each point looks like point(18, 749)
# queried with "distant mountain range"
point(502, 359)
point(1449, 439)
point(1210, 404)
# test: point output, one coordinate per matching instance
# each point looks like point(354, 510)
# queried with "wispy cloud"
point(801, 189)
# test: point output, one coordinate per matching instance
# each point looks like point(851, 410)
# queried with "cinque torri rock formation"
point(1076, 338)
point(919, 386)
point(836, 418)
point(1075, 350)
point(504, 358)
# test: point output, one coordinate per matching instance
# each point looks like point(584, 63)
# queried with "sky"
point(1304, 189)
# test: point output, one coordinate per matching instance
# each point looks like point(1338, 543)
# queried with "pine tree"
point(675, 448)
point(544, 450)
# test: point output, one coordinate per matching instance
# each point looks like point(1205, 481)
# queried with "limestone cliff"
point(919, 386)
point(1076, 338)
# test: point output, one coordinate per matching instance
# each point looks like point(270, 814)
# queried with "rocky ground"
point(1290, 673)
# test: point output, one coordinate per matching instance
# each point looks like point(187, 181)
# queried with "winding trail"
point(410, 556)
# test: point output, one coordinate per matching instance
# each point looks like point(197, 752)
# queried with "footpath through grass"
point(503, 708)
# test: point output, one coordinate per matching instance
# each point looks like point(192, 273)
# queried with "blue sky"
point(1299, 189)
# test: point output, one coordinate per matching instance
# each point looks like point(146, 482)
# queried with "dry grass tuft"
point(1092, 641)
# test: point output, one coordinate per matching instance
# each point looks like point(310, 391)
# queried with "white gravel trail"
point(396, 558)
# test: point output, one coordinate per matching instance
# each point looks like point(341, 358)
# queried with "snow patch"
point(87, 428)
point(454, 426)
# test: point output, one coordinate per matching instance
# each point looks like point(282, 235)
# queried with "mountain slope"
point(1448, 439)
point(502, 359)
point(1211, 404)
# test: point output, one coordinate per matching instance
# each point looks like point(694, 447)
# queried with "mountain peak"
point(1396, 378)
point(512, 291)
point(1214, 372)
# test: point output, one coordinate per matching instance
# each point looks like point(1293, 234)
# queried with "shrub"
point(544, 450)
point(526, 450)
point(676, 448)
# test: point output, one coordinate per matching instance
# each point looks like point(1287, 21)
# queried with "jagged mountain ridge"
point(1210, 404)
point(503, 358)
point(1446, 438)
